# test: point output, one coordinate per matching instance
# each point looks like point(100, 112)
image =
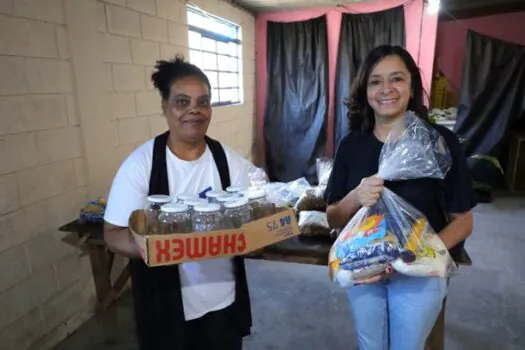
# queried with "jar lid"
point(207, 208)
point(174, 208)
point(225, 198)
point(159, 198)
point(215, 194)
point(235, 189)
point(256, 194)
point(185, 196)
point(195, 201)
point(239, 202)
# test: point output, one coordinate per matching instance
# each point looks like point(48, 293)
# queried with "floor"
point(295, 306)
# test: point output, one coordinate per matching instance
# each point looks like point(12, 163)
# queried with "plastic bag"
point(324, 169)
point(313, 198)
point(313, 223)
point(393, 232)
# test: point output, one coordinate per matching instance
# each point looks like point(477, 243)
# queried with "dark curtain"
point(491, 103)
point(296, 98)
point(360, 33)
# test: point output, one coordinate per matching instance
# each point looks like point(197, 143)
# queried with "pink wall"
point(415, 19)
point(452, 35)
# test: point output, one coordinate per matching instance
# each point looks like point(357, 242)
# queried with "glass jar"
point(183, 197)
point(174, 218)
point(207, 217)
point(212, 195)
point(237, 213)
point(191, 203)
point(155, 202)
point(234, 189)
point(260, 205)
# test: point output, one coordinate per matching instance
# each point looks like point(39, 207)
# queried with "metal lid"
point(185, 196)
point(234, 189)
point(256, 194)
point(225, 198)
point(239, 202)
point(207, 208)
point(195, 201)
point(159, 198)
point(215, 194)
point(174, 208)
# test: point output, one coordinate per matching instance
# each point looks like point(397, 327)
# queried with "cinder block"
point(59, 144)
point(117, 49)
point(122, 105)
point(44, 10)
point(45, 181)
point(18, 151)
point(248, 53)
point(7, 7)
point(178, 34)
point(153, 28)
point(157, 125)
point(29, 294)
point(31, 113)
point(133, 130)
point(63, 46)
point(101, 17)
point(248, 66)
point(145, 52)
point(226, 11)
point(149, 83)
point(67, 302)
point(65, 328)
point(122, 152)
point(23, 332)
point(23, 37)
point(16, 229)
point(13, 73)
point(249, 80)
point(146, 6)
point(148, 102)
point(71, 269)
point(46, 249)
point(47, 76)
point(71, 108)
point(116, 2)
point(168, 52)
point(128, 78)
point(108, 77)
point(63, 209)
point(211, 6)
point(172, 10)
point(13, 267)
point(80, 171)
point(123, 21)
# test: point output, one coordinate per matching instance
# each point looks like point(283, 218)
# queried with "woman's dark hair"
point(170, 71)
point(360, 114)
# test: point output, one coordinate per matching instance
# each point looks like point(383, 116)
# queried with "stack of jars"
point(220, 210)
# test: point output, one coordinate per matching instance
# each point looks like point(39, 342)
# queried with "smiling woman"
point(395, 311)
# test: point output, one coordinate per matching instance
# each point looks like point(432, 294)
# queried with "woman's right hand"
point(369, 190)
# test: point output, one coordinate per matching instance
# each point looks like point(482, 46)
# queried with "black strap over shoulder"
point(159, 312)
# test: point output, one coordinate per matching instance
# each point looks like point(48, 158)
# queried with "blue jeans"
point(396, 313)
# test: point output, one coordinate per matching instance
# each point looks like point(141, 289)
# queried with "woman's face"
point(389, 88)
point(188, 109)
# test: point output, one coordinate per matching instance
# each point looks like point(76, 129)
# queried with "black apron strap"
point(220, 161)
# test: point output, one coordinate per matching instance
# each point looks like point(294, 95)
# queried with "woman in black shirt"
point(395, 311)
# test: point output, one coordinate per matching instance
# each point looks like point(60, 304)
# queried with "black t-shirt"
point(357, 157)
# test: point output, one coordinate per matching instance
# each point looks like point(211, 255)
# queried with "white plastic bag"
point(393, 232)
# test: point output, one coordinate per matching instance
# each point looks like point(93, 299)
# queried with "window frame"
point(205, 33)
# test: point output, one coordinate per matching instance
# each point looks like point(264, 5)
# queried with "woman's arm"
point(120, 241)
point(458, 229)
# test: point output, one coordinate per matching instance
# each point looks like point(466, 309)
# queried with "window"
point(215, 47)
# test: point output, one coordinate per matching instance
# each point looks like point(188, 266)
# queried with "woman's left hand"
point(388, 271)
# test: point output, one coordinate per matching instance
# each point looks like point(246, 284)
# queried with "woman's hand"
point(369, 190)
point(388, 271)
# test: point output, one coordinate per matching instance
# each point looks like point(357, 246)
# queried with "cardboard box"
point(159, 250)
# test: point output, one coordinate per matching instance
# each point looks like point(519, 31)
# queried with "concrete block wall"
point(75, 100)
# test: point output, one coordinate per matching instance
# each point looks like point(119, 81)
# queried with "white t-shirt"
point(207, 285)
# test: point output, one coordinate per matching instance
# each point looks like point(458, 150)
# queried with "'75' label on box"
point(281, 227)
